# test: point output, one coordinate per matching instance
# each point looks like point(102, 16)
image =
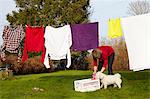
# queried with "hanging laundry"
point(137, 36)
point(84, 36)
point(148, 41)
point(12, 37)
point(34, 41)
point(58, 42)
point(114, 28)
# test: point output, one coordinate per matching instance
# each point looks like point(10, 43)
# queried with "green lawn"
point(59, 85)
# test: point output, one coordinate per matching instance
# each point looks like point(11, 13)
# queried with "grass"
point(59, 85)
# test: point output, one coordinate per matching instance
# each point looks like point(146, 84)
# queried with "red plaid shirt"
point(12, 36)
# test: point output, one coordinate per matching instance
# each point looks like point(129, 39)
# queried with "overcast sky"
point(101, 10)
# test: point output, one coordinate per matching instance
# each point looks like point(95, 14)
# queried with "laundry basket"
point(86, 85)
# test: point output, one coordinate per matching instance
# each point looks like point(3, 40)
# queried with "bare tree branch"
point(138, 7)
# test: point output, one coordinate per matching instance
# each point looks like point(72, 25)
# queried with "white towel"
point(148, 40)
point(137, 36)
point(57, 43)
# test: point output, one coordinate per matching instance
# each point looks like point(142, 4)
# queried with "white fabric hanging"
point(148, 41)
point(137, 36)
point(57, 43)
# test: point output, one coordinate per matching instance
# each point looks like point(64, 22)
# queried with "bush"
point(79, 60)
point(121, 61)
point(32, 65)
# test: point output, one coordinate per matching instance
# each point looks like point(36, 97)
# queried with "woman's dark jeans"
point(110, 63)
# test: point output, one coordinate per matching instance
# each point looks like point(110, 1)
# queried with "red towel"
point(34, 42)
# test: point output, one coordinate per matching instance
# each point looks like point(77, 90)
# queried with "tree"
point(139, 7)
point(53, 12)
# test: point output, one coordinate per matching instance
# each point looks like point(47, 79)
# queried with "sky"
point(101, 11)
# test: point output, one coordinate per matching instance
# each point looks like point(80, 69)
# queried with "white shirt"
point(57, 43)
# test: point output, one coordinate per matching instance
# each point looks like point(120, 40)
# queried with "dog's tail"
point(118, 75)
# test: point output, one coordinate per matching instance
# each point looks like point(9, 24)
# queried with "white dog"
point(109, 79)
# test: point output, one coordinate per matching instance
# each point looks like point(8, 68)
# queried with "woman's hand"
point(94, 72)
point(95, 69)
point(103, 69)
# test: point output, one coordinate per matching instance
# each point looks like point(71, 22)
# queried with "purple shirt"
point(84, 36)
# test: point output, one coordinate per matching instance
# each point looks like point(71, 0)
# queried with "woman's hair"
point(96, 53)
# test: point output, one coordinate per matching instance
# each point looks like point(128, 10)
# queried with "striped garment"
point(12, 37)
